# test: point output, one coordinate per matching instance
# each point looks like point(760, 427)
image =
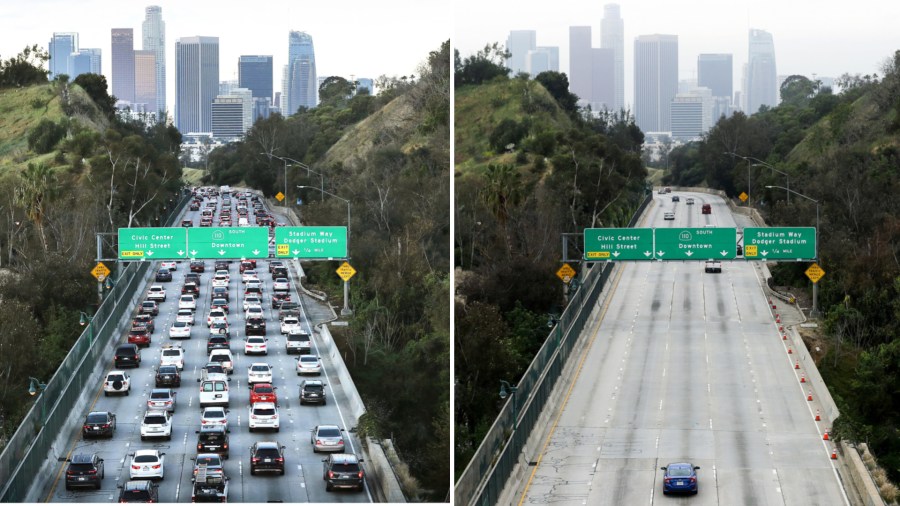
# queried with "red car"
point(263, 392)
point(139, 336)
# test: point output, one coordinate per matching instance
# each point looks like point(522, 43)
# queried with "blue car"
point(680, 477)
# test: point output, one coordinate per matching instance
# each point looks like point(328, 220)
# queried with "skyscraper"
point(612, 36)
point(655, 81)
point(761, 76)
point(196, 82)
point(62, 45)
point(580, 61)
point(154, 39)
point(255, 73)
point(542, 59)
point(715, 72)
point(518, 44)
point(123, 64)
point(302, 90)
point(85, 61)
point(603, 88)
point(145, 92)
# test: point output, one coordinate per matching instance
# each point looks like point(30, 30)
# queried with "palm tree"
point(38, 186)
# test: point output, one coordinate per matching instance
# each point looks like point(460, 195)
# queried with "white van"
point(243, 222)
point(213, 393)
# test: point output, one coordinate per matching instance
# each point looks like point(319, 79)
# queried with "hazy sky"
point(825, 37)
point(359, 37)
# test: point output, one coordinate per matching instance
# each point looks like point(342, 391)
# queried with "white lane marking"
point(177, 491)
point(660, 404)
point(710, 424)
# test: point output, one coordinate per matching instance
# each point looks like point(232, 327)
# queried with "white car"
point(216, 315)
point(248, 275)
point(252, 299)
point(214, 416)
point(224, 358)
point(668, 215)
point(222, 274)
point(281, 285)
point(256, 345)
point(254, 310)
point(309, 364)
point(157, 293)
point(173, 355)
point(147, 464)
point(290, 323)
point(263, 415)
point(187, 301)
point(185, 315)
point(117, 382)
point(253, 286)
point(689, 201)
point(169, 265)
point(259, 372)
point(156, 423)
point(180, 330)
point(219, 282)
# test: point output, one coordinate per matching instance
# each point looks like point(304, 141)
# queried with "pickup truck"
point(713, 266)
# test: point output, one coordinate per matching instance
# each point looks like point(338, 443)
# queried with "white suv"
point(156, 423)
point(263, 415)
point(172, 355)
point(157, 293)
point(290, 323)
point(117, 382)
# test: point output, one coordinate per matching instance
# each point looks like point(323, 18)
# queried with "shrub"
point(44, 137)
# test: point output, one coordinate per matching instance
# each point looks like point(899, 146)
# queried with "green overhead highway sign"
point(228, 242)
point(152, 243)
point(780, 243)
point(613, 244)
point(706, 243)
point(311, 242)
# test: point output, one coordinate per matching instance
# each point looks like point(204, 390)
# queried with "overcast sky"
point(824, 37)
point(365, 38)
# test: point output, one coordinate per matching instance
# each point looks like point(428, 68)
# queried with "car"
point(309, 364)
point(84, 469)
point(149, 307)
point(187, 223)
point(267, 456)
point(280, 272)
point(163, 275)
point(156, 423)
point(343, 470)
point(252, 299)
point(139, 336)
point(206, 461)
point(187, 301)
point(281, 284)
point(668, 215)
point(192, 277)
point(99, 423)
point(167, 376)
point(195, 206)
point(223, 357)
point(221, 265)
point(255, 326)
point(219, 328)
point(259, 372)
point(127, 354)
point(312, 392)
point(162, 398)
point(253, 286)
point(254, 311)
point(298, 341)
point(139, 491)
point(147, 464)
point(263, 415)
point(215, 415)
point(191, 288)
point(213, 439)
point(220, 292)
point(172, 354)
point(217, 342)
point(214, 392)
point(706, 209)
point(248, 275)
point(689, 201)
point(185, 316)
point(275, 263)
point(145, 321)
point(219, 304)
point(327, 438)
point(246, 265)
point(180, 330)
point(290, 323)
point(680, 477)
point(205, 222)
point(713, 266)
point(213, 371)
point(740, 250)
point(263, 392)
point(288, 308)
point(280, 298)
point(676, 198)
point(668, 189)
point(210, 485)
point(171, 265)
point(223, 274)
point(216, 315)
point(198, 266)
point(116, 382)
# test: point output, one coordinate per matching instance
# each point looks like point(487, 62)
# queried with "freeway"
point(682, 365)
point(302, 481)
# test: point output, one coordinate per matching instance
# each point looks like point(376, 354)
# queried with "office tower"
point(655, 81)
point(364, 83)
point(262, 108)
point(301, 73)
point(518, 44)
point(255, 73)
point(196, 82)
point(542, 59)
point(154, 39)
point(225, 87)
point(145, 81)
point(285, 91)
point(761, 76)
point(580, 61)
point(123, 64)
point(62, 45)
point(603, 86)
point(612, 36)
point(687, 117)
point(232, 114)
point(715, 71)
point(85, 61)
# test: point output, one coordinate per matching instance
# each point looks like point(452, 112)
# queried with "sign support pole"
point(346, 311)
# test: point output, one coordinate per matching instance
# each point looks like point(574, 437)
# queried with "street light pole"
point(814, 312)
point(785, 174)
point(507, 389)
point(346, 311)
point(302, 166)
point(86, 319)
point(34, 386)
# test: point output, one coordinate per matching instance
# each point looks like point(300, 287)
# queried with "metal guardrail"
point(495, 459)
point(28, 448)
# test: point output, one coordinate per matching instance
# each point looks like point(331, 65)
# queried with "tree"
point(557, 83)
point(26, 68)
point(335, 91)
point(485, 65)
point(95, 86)
point(798, 90)
point(37, 187)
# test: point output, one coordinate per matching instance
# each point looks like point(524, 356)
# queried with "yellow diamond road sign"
point(743, 196)
point(279, 196)
point(566, 273)
point(100, 271)
point(814, 273)
point(346, 271)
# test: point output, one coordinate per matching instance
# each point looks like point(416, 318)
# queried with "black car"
point(192, 277)
point(127, 355)
point(84, 470)
point(139, 491)
point(191, 288)
point(187, 223)
point(168, 376)
point(213, 439)
point(267, 456)
point(99, 423)
point(279, 272)
point(343, 470)
point(220, 292)
point(279, 299)
point(221, 264)
point(275, 263)
point(312, 391)
point(163, 275)
point(217, 342)
point(255, 326)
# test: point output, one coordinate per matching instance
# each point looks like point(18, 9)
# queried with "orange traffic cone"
point(781, 328)
point(809, 398)
point(825, 436)
point(833, 453)
point(773, 304)
point(784, 337)
point(777, 319)
point(797, 365)
point(802, 378)
point(818, 418)
point(790, 351)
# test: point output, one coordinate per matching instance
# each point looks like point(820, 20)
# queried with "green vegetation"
point(389, 156)
point(529, 166)
point(844, 151)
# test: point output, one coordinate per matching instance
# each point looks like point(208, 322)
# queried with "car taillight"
point(135, 467)
point(199, 446)
point(105, 425)
point(693, 479)
point(318, 442)
point(70, 472)
point(254, 459)
point(359, 474)
point(331, 474)
point(225, 446)
point(668, 480)
point(87, 427)
point(155, 467)
point(279, 459)
point(92, 471)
